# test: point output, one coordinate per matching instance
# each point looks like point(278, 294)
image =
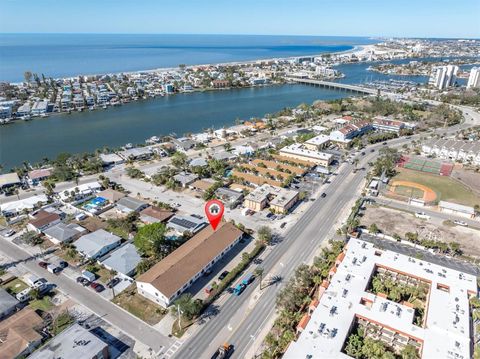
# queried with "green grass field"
point(446, 188)
point(15, 286)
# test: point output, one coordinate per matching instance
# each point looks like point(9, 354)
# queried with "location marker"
point(214, 211)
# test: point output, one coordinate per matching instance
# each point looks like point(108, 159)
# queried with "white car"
point(460, 223)
point(422, 215)
point(9, 233)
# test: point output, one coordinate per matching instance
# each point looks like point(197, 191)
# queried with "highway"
point(238, 322)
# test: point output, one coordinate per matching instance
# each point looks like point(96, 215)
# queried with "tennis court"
point(426, 165)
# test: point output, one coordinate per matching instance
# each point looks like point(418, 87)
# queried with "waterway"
point(183, 113)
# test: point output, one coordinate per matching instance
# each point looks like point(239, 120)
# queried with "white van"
point(24, 295)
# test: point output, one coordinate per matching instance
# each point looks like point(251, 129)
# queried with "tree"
point(145, 265)
point(150, 240)
point(409, 352)
point(188, 307)
point(28, 76)
point(373, 228)
point(49, 186)
point(35, 293)
point(354, 346)
point(179, 160)
point(259, 273)
point(265, 234)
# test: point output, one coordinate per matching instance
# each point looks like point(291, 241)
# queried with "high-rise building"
point(444, 76)
point(474, 78)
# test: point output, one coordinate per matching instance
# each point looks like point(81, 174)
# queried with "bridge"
point(334, 85)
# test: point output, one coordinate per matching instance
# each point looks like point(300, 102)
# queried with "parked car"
point(44, 265)
point(9, 233)
point(84, 281)
point(113, 282)
point(460, 223)
point(98, 287)
point(54, 269)
point(207, 272)
point(422, 215)
point(372, 150)
point(323, 195)
point(63, 264)
point(283, 225)
point(223, 275)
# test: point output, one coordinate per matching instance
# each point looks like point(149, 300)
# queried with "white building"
point(474, 78)
point(39, 108)
point(300, 152)
point(462, 151)
point(445, 329)
point(444, 76)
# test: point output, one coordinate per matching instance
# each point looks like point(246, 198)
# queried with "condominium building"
point(474, 78)
point(443, 76)
point(279, 199)
point(302, 152)
point(462, 151)
point(349, 301)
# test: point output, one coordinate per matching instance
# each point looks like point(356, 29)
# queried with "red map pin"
point(214, 211)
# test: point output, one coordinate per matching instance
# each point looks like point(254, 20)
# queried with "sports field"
point(445, 188)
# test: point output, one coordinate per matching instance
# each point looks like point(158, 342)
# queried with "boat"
point(104, 107)
point(128, 146)
point(43, 115)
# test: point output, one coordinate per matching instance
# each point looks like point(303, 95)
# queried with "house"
point(280, 200)
point(137, 153)
point(185, 178)
point(96, 244)
point(63, 233)
point(19, 334)
point(230, 198)
point(15, 207)
point(182, 224)
point(123, 260)
point(169, 278)
point(37, 176)
point(111, 195)
point(456, 209)
point(183, 143)
point(224, 156)
point(8, 304)
point(109, 159)
point(130, 204)
point(202, 185)
point(155, 214)
point(43, 220)
point(9, 179)
point(220, 84)
point(243, 150)
point(198, 162)
point(80, 192)
point(73, 342)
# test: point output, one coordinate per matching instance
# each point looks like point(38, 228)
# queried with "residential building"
point(63, 233)
point(182, 224)
point(73, 342)
point(385, 124)
point(462, 151)
point(456, 209)
point(137, 153)
point(37, 176)
point(185, 178)
point(350, 130)
point(220, 83)
point(298, 151)
point(13, 208)
point(443, 76)
point(8, 304)
point(317, 142)
point(19, 334)
point(5, 112)
point(39, 108)
point(123, 260)
point(97, 244)
point(474, 78)
point(9, 179)
point(155, 214)
point(111, 195)
point(230, 198)
point(109, 159)
point(346, 301)
point(202, 185)
point(43, 220)
point(183, 143)
point(129, 204)
point(169, 278)
point(280, 200)
point(198, 162)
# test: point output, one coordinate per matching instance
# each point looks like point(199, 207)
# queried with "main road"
point(241, 319)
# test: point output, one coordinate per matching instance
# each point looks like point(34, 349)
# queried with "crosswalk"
point(173, 349)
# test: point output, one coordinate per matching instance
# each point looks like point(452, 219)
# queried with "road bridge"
point(335, 85)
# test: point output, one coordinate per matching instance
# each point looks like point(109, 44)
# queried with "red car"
point(44, 265)
point(98, 287)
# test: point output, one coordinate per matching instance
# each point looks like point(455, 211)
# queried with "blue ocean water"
point(62, 55)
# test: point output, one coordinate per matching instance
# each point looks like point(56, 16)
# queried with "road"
point(238, 322)
point(106, 310)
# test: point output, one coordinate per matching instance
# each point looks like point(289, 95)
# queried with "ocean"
point(63, 55)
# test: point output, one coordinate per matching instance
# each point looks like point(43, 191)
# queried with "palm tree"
point(259, 273)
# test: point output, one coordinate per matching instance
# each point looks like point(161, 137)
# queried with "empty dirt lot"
point(391, 221)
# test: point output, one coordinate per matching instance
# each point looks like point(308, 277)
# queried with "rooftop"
point(8, 179)
point(185, 223)
point(123, 260)
point(156, 213)
point(131, 203)
point(7, 301)
point(63, 232)
point(91, 243)
point(447, 330)
point(173, 272)
point(111, 195)
point(299, 150)
point(318, 140)
point(73, 342)
point(282, 196)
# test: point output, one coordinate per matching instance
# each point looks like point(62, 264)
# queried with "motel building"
point(173, 275)
point(347, 302)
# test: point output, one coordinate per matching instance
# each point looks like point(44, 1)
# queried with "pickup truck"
point(248, 279)
point(223, 352)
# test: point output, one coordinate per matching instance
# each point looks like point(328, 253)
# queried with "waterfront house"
point(170, 277)
point(39, 175)
point(97, 244)
point(9, 180)
point(109, 159)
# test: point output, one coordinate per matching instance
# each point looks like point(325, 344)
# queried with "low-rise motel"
point(174, 274)
point(347, 302)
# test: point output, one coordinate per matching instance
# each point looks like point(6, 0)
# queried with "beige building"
point(317, 143)
point(301, 152)
point(279, 199)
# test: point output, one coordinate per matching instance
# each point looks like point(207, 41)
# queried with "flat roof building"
point(317, 142)
point(299, 151)
point(97, 244)
point(123, 260)
point(348, 301)
point(182, 224)
point(279, 199)
point(169, 278)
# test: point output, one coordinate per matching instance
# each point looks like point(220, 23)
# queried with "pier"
point(334, 85)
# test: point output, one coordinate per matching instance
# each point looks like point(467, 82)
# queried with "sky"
point(398, 18)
